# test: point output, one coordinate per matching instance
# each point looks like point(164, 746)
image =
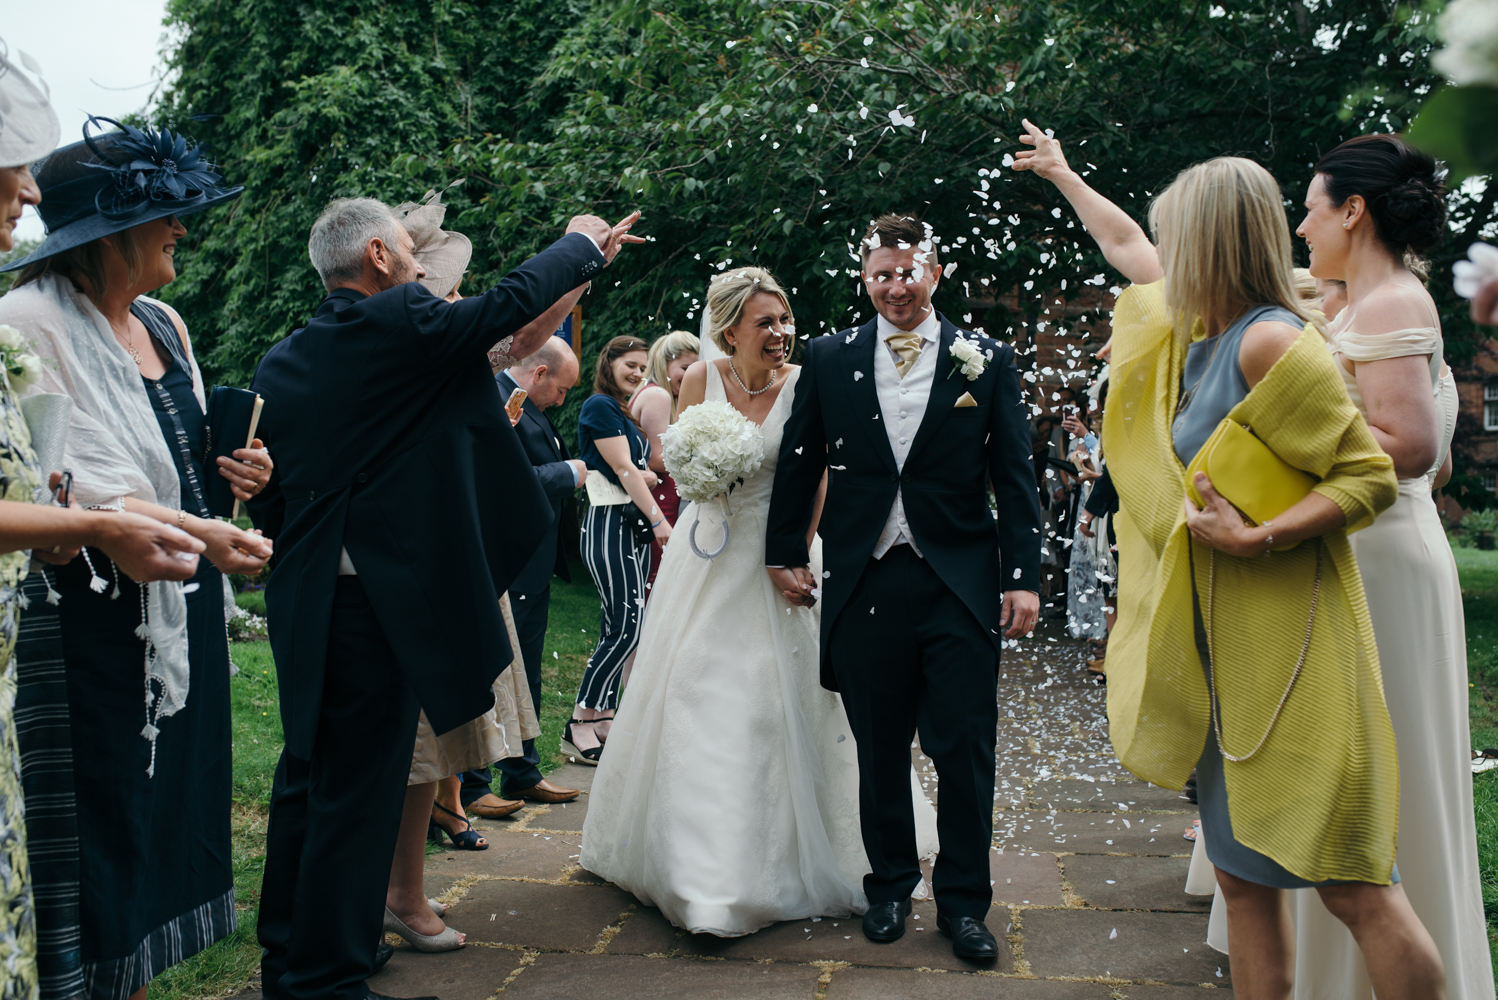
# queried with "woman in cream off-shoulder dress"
point(728, 797)
point(1409, 574)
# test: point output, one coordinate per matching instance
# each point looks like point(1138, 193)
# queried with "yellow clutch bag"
point(1248, 473)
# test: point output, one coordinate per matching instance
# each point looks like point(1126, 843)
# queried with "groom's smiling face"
point(900, 285)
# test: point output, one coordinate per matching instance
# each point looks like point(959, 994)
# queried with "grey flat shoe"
point(446, 941)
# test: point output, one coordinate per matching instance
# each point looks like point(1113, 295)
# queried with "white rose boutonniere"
point(968, 358)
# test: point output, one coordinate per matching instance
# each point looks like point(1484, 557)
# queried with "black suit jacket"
point(391, 440)
point(544, 447)
point(836, 424)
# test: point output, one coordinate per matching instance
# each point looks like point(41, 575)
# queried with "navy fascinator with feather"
point(115, 180)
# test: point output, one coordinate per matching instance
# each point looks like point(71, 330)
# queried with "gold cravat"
point(907, 346)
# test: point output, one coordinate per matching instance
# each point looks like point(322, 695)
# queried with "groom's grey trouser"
point(908, 655)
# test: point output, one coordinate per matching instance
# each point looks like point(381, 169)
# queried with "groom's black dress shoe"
point(383, 954)
point(885, 922)
point(970, 939)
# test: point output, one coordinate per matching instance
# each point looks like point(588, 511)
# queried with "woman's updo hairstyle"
point(1400, 183)
point(728, 292)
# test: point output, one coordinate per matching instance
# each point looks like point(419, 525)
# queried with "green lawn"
point(1479, 572)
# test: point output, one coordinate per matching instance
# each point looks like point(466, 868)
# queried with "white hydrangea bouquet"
point(711, 449)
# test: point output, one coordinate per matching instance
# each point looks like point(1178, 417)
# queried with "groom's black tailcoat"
point(914, 642)
point(390, 440)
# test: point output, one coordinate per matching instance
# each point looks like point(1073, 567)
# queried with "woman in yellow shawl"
point(1245, 650)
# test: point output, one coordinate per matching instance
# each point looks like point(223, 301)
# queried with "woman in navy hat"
point(146, 666)
point(146, 549)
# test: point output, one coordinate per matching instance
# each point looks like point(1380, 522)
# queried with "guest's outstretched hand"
point(609, 238)
point(1046, 159)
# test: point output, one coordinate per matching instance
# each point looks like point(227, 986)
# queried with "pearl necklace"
point(752, 392)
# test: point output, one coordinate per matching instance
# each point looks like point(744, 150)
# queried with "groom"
point(913, 419)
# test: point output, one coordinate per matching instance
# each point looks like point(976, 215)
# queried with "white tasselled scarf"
point(115, 450)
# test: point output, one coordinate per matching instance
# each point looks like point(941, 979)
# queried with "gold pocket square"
point(966, 399)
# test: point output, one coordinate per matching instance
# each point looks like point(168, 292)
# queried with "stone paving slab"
point(1108, 883)
point(1163, 947)
point(885, 984)
point(625, 977)
point(470, 973)
point(557, 918)
point(540, 926)
point(1091, 833)
point(843, 941)
point(1139, 796)
point(646, 932)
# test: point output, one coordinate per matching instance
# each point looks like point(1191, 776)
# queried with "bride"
point(729, 794)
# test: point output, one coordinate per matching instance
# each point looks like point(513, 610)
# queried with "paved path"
point(1088, 869)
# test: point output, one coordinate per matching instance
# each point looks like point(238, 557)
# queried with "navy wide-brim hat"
point(108, 183)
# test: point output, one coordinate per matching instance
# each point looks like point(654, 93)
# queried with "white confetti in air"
point(554, 655)
point(811, 109)
point(839, 442)
point(868, 39)
point(1008, 160)
point(1017, 574)
point(798, 451)
point(826, 573)
point(871, 611)
point(857, 376)
point(1113, 934)
point(816, 592)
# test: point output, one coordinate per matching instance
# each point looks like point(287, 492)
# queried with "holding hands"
point(796, 583)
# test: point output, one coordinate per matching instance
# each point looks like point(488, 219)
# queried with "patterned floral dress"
point(19, 477)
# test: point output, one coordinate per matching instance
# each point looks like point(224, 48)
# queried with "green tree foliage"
point(700, 113)
point(320, 101)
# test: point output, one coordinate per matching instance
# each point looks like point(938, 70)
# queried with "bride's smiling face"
point(762, 336)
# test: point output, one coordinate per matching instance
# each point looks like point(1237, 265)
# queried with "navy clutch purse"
point(232, 417)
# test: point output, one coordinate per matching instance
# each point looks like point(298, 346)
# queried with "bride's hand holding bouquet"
point(711, 449)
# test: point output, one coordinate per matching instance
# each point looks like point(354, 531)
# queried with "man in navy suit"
point(403, 505)
point(545, 376)
point(913, 421)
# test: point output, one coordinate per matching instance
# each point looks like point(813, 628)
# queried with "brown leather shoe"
point(545, 791)
point(491, 806)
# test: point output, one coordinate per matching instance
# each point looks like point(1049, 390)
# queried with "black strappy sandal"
point(1484, 760)
point(466, 839)
point(590, 756)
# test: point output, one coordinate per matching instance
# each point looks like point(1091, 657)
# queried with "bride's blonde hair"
point(1224, 243)
point(726, 295)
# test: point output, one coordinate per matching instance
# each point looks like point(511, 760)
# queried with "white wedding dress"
point(727, 795)
point(1415, 601)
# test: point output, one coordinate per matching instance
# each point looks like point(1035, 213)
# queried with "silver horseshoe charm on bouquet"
point(692, 534)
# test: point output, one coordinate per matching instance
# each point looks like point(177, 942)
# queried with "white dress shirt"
point(902, 402)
